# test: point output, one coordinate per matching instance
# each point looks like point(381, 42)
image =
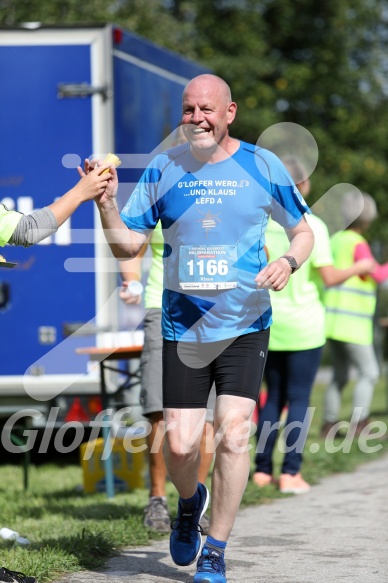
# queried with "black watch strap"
point(291, 262)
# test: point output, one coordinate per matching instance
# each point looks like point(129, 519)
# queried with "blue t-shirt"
point(214, 218)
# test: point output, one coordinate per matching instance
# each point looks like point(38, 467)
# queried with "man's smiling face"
point(207, 112)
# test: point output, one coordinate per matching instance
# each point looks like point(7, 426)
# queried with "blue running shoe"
point(211, 567)
point(185, 539)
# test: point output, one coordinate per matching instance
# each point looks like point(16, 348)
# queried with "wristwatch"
point(291, 262)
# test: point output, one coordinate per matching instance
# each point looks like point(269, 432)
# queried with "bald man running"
point(213, 197)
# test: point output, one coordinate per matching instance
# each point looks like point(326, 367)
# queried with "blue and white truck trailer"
point(68, 93)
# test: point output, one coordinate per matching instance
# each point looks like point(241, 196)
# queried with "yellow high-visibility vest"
point(350, 307)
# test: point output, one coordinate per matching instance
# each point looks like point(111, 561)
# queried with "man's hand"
point(274, 276)
point(91, 185)
point(98, 166)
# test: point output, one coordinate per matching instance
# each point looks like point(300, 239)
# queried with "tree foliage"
point(318, 64)
point(314, 64)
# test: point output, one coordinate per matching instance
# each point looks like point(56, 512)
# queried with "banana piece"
point(113, 160)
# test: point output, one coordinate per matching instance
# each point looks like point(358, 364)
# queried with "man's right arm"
point(124, 243)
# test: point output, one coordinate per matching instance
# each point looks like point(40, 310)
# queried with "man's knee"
point(233, 434)
point(181, 443)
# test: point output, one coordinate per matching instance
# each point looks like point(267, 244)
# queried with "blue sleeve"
point(288, 205)
point(141, 213)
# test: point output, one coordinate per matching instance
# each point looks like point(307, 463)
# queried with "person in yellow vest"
point(350, 309)
point(295, 346)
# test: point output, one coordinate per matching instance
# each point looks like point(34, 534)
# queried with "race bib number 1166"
point(207, 267)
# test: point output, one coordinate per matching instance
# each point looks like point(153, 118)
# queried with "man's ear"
point(232, 110)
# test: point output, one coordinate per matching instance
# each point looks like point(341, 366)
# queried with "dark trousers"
point(289, 378)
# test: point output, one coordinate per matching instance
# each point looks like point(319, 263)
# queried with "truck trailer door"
point(45, 133)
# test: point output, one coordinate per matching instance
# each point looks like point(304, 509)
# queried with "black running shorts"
point(235, 365)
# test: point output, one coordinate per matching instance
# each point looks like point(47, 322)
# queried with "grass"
point(69, 530)
point(72, 531)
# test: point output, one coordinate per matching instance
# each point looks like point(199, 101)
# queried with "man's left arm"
point(277, 273)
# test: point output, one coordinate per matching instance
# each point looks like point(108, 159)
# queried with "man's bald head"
point(210, 84)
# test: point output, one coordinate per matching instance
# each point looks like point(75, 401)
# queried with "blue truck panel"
point(42, 134)
point(148, 84)
point(38, 129)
